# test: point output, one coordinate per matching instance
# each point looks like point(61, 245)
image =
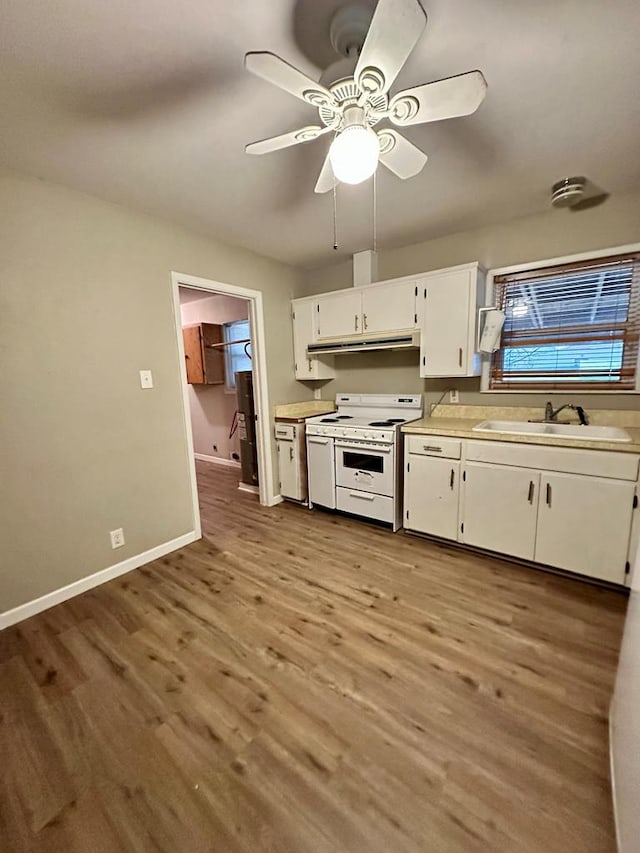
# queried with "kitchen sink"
point(585, 433)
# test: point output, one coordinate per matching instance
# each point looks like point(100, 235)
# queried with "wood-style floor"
point(304, 683)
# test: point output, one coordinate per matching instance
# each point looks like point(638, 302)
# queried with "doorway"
point(220, 335)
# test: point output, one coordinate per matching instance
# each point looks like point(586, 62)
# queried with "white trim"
point(219, 460)
point(24, 611)
point(261, 390)
point(247, 487)
point(541, 264)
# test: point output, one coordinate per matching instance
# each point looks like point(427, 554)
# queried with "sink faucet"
point(551, 414)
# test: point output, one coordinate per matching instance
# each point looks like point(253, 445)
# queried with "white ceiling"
point(147, 104)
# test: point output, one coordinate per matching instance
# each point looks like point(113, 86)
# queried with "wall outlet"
point(117, 538)
point(454, 397)
point(146, 379)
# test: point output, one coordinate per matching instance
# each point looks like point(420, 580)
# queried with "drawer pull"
point(362, 497)
point(452, 479)
point(549, 494)
point(531, 492)
point(432, 448)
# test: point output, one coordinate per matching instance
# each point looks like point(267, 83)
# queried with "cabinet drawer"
point(361, 503)
point(434, 445)
point(594, 463)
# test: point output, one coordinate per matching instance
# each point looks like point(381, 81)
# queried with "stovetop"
point(368, 416)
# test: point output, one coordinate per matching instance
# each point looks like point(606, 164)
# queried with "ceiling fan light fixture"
point(354, 154)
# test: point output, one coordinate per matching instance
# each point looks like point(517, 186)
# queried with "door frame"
point(268, 497)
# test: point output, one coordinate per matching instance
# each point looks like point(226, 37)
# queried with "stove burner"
point(395, 420)
point(381, 423)
point(329, 421)
point(344, 417)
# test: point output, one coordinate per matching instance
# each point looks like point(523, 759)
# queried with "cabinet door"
point(500, 507)
point(302, 316)
point(389, 307)
point(432, 489)
point(446, 313)
point(339, 315)
point(321, 470)
point(193, 354)
point(584, 524)
point(289, 469)
point(213, 355)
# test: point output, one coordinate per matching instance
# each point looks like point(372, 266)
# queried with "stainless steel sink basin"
point(585, 433)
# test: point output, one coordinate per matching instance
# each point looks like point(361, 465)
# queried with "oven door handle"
point(364, 447)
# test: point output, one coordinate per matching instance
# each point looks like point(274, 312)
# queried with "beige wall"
point(533, 238)
point(212, 406)
point(85, 302)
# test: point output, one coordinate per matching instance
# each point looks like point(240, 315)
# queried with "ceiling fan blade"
point(395, 29)
point(285, 140)
point(270, 67)
point(455, 96)
point(399, 155)
point(326, 178)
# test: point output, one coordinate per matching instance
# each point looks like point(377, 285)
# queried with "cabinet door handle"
point(459, 356)
point(364, 317)
point(532, 489)
point(291, 453)
point(356, 322)
point(549, 494)
point(309, 362)
point(452, 479)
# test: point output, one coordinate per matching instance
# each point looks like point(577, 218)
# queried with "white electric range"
point(354, 455)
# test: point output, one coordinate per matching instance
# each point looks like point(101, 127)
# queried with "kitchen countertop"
point(462, 427)
point(300, 411)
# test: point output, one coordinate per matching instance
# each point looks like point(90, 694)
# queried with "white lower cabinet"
point(500, 508)
point(432, 496)
point(577, 516)
point(584, 524)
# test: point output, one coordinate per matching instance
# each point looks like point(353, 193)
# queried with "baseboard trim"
point(245, 487)
point(275, 500)
point(24, 611)
point(217, 460)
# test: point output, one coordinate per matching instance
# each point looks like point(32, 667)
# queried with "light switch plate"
point(146, 379)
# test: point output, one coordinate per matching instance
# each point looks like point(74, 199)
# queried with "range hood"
point(410, 340)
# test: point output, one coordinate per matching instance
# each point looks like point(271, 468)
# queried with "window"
point(574, 326)
point(236, 356)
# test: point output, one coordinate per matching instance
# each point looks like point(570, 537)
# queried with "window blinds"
point(570, 326)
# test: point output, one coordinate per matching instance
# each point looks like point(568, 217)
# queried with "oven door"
point(365, 467)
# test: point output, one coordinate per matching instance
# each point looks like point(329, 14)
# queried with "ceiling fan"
point(353, 97)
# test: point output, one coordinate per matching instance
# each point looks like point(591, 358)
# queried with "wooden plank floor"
point(302, 683)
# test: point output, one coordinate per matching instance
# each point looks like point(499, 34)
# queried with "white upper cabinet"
point(339, 315)
point(389, 307)
point(584, 524)
point(448, 310)
point(319, 367)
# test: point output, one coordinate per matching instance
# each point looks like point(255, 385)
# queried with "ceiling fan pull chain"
point(335, 217)
point(375, 213)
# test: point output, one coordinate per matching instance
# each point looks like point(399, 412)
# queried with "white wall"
point(625, 726)
point(85, 303)
point(530, 239)
point(212, 406)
